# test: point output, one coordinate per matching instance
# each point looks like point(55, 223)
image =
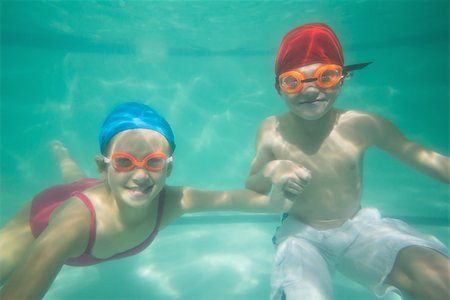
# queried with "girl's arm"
point(66, 236)
point(196, 200)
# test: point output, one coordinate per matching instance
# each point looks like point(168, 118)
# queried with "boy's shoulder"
point(366, 124)
point(360, 116)
point(355, 113)
point(273, 120)
point(268, 123)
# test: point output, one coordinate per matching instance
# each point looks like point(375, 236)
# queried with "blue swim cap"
point(133, 115)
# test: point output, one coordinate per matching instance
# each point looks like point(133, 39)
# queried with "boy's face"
point(139, 173)
point(312, 102)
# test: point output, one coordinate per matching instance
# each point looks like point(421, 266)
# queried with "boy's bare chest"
point(335, 152)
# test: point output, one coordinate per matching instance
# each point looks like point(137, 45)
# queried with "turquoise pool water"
point(208, 67)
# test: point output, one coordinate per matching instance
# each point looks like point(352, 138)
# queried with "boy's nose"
point(310, 92)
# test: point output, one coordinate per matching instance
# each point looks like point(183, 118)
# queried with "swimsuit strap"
point(93, 226)
point(162, 197)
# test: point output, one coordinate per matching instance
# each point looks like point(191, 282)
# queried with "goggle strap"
point(354, 67)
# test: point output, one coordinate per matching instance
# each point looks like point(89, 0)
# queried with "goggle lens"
point(328, 75)
point(156, 163)
point(122, 163)
point(291, 81)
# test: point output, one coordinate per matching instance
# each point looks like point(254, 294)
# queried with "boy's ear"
point(101, 164)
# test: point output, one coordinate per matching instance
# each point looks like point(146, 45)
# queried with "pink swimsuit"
point(45, 202)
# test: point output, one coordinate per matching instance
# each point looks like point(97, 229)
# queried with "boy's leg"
point(70, 171)
point(300, 272)
point(421, 273)
point(389, 255)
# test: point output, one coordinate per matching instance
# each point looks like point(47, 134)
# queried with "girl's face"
point(136, 176)
point(312, 102)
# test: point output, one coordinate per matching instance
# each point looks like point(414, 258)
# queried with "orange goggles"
point(325, 76)
point(126, 162)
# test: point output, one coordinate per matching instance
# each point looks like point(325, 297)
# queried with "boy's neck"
point(326, 122)
point(310, 134)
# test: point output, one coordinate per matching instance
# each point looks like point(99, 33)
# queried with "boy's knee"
point(422, 273)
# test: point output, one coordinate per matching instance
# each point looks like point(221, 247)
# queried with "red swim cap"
point(308, 44)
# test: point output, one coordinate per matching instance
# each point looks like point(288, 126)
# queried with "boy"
point(317, 150)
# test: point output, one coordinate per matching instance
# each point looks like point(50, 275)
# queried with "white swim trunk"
point(363, 248)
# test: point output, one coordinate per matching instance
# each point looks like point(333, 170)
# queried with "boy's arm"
point(390, 139)
point(66, 236)
point(257, 179)
point(266, 170)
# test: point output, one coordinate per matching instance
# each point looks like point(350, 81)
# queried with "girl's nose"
point(141, 175)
